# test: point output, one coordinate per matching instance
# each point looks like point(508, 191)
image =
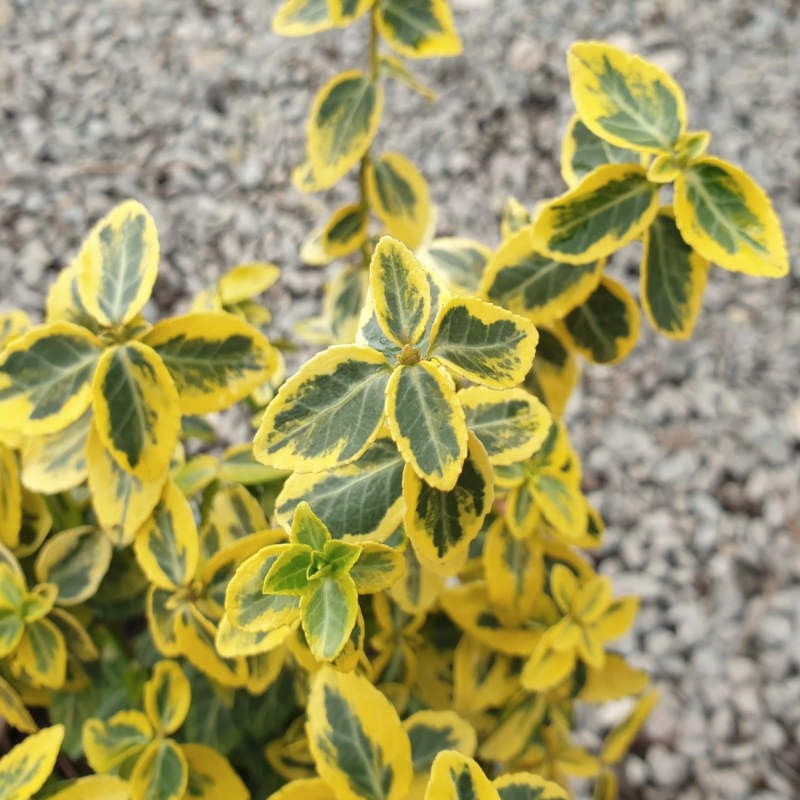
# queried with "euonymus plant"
point(385, 597)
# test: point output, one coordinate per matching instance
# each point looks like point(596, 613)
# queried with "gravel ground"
point(691, 450)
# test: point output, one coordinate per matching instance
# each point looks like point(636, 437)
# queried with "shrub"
point(389, 585)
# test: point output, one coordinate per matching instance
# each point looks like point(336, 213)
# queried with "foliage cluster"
point(387, 596)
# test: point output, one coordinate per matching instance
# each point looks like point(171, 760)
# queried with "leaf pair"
point(314, 579)
point(137, 380)
point(331, 411)
point(630, 110)
point(137, 746)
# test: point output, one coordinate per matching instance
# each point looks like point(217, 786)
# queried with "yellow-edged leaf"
point(211, 777)
point(609, 208)
point(304, 789)
point(245, 281)
point(459, 262)
point(427, 423)
point(161, 773)
point(400, 292)
point(724, 215)
point(167, 546)
point(41, 655)
point(302, 18)
point(356, 738)
point(624, 99)
point(245, 602)
point(121, 501)
point(511, 424)
point(430, 732)
point(12, 324)
point(582, 151)
point(344, 232)
point(326, 414)
point(527, 786)
point(76, 561)
point(25, 768)
point(456, 777)
point(328, 611)
point(673, 277)
point(109, 744)
point(344, 120)
point(118, 264)
point(421, 29)
point(358, 501)
point(10, 498)
point(398, 194)
point(483, 343)
point(13, 710)
point(56, 462)
point(554, 373)
point(442, 523)
point(46, 378)
point(167, 696)
point(136, 409)
point(214, 359)
point(606, 327)
point(95, 787)
point(536, 286)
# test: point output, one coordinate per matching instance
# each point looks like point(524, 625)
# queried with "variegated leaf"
point(624, 99)
point(609, 208)
point(515, 219)
point(459, 262)
point(483, 342)
point(302, 17)
point(527, 786)
point(582, 151)
point(379, 566)
point(94, 787)
point(214, 359)
point(13, 710)
point(211, 776)
point(441, 524)
point(398, 194)
point(121, 501)
point(673, 277)
point(245, 602)
point(724, 215)
point(118, 264)
point(343, 301)
point(400, 292)
point(46, 377)
point(418, 29)
point(328, 413)
point(167, 697)
point(536, 286)
point(56, 462)
point(136, 409)
point(167, 546)
point(245, 281)
point(109, 744)
point(606, 327)
point(427, 423)
point(76, 561)
point(345, 232)
point(233, 514)
point(360, 500)
point(511, 424)
point(161, 773)
point(358, 743)
point(25, 768)
point(457, 777)
point(554, 373)
point(430, 732)
point(343, 123)
point(395, 68)
point(41, 655)
point(10, 498)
